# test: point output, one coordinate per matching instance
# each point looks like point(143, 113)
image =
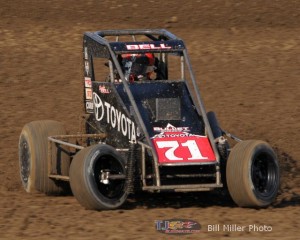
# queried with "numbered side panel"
point(184, 150)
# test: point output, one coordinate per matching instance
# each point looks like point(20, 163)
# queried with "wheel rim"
point(264, 175)
point(24, 160)
point(114, 189)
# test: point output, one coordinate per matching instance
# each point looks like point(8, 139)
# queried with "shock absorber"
point(223, 147)
point(131, 169)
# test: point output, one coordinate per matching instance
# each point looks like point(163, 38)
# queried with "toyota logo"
point(99, 108)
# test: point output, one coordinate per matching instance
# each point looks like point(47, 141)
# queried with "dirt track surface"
point(246, 56)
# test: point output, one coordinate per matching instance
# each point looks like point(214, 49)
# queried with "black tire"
point(85, 181)
point(214, 125)
point(33, 158)
point(252, 174)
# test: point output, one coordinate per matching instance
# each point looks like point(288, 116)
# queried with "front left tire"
point(88, 169)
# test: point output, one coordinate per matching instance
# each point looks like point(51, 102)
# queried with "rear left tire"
point(33, 158)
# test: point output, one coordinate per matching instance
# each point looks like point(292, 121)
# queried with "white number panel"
point(186, 149)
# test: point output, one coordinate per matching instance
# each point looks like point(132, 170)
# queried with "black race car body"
point(164, 115)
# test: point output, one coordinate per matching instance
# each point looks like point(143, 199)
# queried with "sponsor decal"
point(86, 57)
point(173, 135)
point(171, 128)
point(117, 120)
point(171, 131)
point(88, 94)
point(87, 82)
point(99, 107)
point(103, 89)
point(177, 226)
point(87, 67)
point(89, 105)
point(147, 46)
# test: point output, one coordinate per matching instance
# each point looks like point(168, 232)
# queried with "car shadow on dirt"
point(287, 196)
point(203, 199)
point(293, 200)
point(177, 200)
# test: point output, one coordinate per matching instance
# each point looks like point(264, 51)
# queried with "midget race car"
point(143, 130)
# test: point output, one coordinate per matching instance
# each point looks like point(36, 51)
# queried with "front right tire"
point(252, 174)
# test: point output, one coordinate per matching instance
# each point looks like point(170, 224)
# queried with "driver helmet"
point(138, 66)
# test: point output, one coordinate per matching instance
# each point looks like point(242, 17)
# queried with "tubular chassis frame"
point(97, 41)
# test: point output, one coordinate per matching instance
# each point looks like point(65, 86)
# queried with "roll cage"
point(110, 45)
